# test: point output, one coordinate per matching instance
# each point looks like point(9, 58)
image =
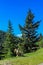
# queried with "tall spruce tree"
point(9, 40)
point(29, 31)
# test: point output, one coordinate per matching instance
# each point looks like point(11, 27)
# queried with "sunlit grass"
point(34, 58)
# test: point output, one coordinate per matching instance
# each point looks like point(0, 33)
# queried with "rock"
point(40, 64)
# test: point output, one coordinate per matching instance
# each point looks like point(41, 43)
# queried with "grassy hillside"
point(34, 58)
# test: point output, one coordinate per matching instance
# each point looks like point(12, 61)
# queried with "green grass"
point(34, 58)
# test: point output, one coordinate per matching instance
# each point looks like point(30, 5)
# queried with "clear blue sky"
point(16, 11)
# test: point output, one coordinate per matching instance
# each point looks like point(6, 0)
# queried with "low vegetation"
point(34, 58)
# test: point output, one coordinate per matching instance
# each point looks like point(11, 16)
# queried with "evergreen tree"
point(1, 52)
point(29, 31)
point(41, 40)
point(2, 35)
point(9, 40)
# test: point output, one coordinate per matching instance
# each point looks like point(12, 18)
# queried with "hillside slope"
point(34, 58)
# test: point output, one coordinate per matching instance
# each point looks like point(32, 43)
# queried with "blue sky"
point(16, 11)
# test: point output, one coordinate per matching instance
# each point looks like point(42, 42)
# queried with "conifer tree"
point(9, 40)
point(1, 52)
point(29, 31)
point(2, 35)
point(41, 40)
